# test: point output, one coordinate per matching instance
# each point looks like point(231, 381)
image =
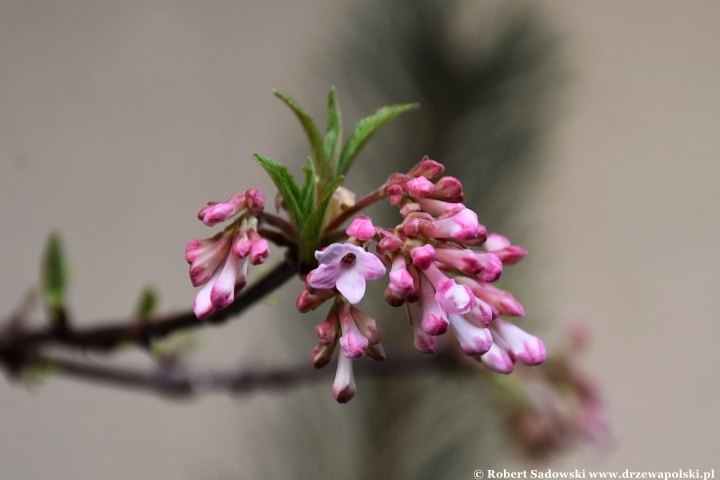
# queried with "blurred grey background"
point(120, 119)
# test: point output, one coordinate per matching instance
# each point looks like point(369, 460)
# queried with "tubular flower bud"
point(461, 226)
point(503, 301)
point(427, 168)
point(343, 388)
point(507, 253)
point(448, 189)
point(423, 342)
point(352, 341)
point(474, 341)
point(394, 194)
point(401, 282)
point(423, 257)
point(521, 345)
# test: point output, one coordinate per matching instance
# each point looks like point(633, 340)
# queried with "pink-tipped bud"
point(502, 301)
point(343, 388)
point(434, 320)
point(401, 282)
point(366, 325)
point(241, 243)
point(500, 246)
point(422, 257)
point(408, 208)
point(497, 360)
point(521, 345)
point(448, 189)
point(492, 267)
point(361, 228)
point(322, 354)
point(198, 248)
point(463, 259)
point(203, 211)
point(423, 341)
point(327, 330)
point(392, 299)
point(223, 292)
point(395, 195)
point(218, 213)
point(462, 226)
point(352, 341)
point(474, 341)
point(420, 187)
point(254, 200)
point(480, 315)
point(427, 168)
point(207, 258)
point(376, 352)
point(388, 244)
point(307, 302)
point(453, 298)
point(259, 250)
point(202, 306)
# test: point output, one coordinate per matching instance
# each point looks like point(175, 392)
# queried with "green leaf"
point(311, 230)
point(333, 135)
point(313, 135)
point(147, 303)
point(307, 191)
point(365, 129)
point(286, 186)
point(54, 275)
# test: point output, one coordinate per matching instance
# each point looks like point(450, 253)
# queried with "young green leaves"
point(329, 162)
point(54, 275)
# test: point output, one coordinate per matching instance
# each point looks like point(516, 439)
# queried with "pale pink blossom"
point(346, 267)
point(500, 246)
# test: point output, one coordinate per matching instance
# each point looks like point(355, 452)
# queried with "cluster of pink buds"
point(434, 269)
point(220, 263)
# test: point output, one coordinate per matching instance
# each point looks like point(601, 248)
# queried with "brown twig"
point(180, 383)
point(18, 346)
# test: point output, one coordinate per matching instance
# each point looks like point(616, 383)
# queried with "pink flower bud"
point(503, 301)
point(388, 244)
point(474, 341)
point(497, 360)
point(528, 349)
point(207, 258)
point(480, 315)
point(241, 243)
point(492, 267)
point(307, 302)
point(434, 320)
point(463, 259)
point(202, 306)
point(422, 257)
point(439, 208)
point(254, 200)
point(343, 388)
point(420, 187)
point(401, 282)
point(500, 246)
point(453, 298)
point(327, 330)
point(352, 341)
point(448, 189)
point(462, 226)
point(395, 195)
point(423, 342)
point(408, 208)
point(322, 354)
point(427, 168)
point(376, 352)
point(361, 228)
point(366, 325)
point(259, 250)
point(223, 291)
